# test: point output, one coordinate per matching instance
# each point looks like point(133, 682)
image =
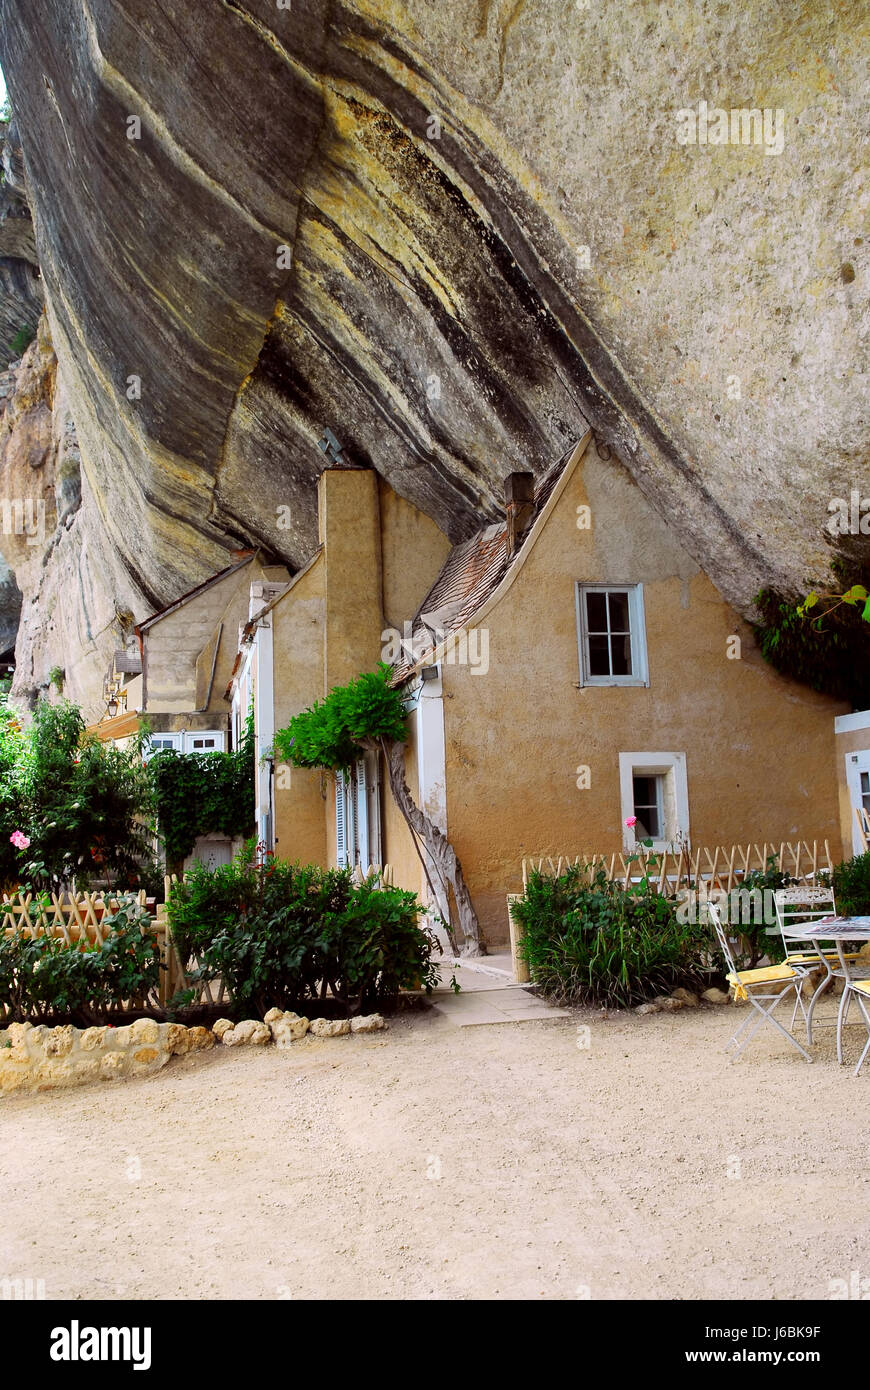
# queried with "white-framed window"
point(203, 741)
point(654, 791)
point(358, 814)
point(157, 743)
point(611, 634)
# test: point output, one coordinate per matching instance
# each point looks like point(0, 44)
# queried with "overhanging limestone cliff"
point(491, 236)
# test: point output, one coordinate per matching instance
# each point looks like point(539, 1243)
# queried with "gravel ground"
point(441, 1162)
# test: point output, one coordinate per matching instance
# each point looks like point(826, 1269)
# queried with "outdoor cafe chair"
point(751, 986)
point(861, 990)
point(799, 907)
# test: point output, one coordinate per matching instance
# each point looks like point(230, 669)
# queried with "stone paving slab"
point(501, 1005)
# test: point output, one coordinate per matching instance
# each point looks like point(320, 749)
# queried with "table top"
point(832, 929)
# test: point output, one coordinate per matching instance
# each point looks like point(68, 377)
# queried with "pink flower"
point(630, 821)
point(19, 840)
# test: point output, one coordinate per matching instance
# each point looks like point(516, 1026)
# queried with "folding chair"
point(749, 984)
point(800, 907)
point(861, 991)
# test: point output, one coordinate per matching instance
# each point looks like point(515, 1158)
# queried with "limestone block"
point(223, 1025)
point(199, 1039)
point(368, 1023)
point(59, 1041)
point(92, 1039)
point(144, 1030)
point(251, 1031)
point(289, 1030)
point(330, 1027)
point(177, 1039)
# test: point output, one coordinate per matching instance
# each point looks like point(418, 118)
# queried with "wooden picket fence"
point(720, 867)
point(76, 918)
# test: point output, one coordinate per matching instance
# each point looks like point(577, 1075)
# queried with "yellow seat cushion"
point(763, 975)
point(863, 985)
point(807, 957)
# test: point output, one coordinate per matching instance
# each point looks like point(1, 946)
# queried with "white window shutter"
point(362, 815)
point(341, 845)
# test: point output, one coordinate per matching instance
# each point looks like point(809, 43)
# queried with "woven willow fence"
point(76, 919)
point(721, 867)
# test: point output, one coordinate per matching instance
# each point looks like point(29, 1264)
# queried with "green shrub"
point(41, 976)
point(851, 884)
point(595, 943)
point(21, 341)
point(279, 933)
point(82, 805)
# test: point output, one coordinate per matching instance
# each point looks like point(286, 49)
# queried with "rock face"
point(452, 234)
point(20, 282)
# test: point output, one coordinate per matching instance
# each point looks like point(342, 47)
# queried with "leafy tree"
point(83, 807)
point(368, 715)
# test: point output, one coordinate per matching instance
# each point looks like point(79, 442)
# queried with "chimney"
point(519, 496)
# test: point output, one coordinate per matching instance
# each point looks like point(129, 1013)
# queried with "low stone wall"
point(40, 1058)
point(37, 1058)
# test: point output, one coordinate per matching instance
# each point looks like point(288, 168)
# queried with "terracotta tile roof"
point(471, 573)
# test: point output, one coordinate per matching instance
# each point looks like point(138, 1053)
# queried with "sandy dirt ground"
point(437, 1162)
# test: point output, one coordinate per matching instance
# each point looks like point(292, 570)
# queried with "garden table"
point(837, 930)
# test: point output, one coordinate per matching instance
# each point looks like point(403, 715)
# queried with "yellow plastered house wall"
point(297, 657)
point(378, 554)
point(759, 749)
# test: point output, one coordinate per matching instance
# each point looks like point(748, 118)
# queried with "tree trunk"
point(438, 846)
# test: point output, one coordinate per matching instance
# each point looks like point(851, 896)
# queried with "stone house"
point(175, 670)
point(566, 670)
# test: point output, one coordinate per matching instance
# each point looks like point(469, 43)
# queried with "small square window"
point(654, 795)
point(610, 624)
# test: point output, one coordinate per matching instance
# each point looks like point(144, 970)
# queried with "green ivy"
point(828, 650)
point(203, 793)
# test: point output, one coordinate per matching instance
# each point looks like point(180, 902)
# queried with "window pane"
point(621, 655)
point(596, 612)
point(647, 793)
point(618, 604)
point(599, 656)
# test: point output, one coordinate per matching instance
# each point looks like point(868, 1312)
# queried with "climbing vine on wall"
point(203, 794)
point(823, 640)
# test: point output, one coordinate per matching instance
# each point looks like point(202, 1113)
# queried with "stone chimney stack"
point(519, 496)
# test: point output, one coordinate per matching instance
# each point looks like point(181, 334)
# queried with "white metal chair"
point(861, 990)
point(750, 984)
point(800, 907)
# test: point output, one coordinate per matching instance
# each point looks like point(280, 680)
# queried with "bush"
point(42, 976)
point(851, 884)
point(279, 934)
point(82, 805)
point(595, 943)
